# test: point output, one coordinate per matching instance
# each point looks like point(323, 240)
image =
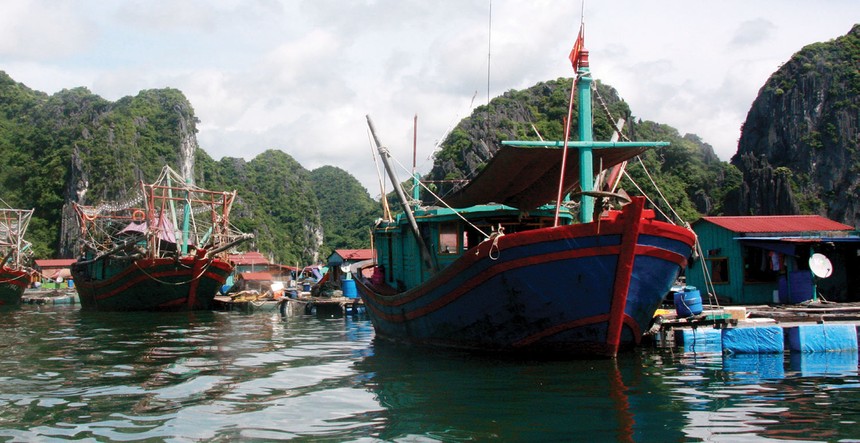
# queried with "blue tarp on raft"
point(700, 340)
point(822, 338)
point(758, 340)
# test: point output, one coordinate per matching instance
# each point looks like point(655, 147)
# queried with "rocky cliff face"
point(799, 149)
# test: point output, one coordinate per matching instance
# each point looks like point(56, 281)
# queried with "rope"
point(456, 212)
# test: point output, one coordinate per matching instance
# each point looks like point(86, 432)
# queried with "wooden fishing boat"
point(509, 270)
point(14, 275)
point(133, 257)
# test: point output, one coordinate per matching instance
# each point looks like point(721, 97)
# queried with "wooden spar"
point(564, 154)
point(392, 175)
point(607, 179)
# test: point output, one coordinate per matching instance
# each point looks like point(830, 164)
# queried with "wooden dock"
point(301, 304)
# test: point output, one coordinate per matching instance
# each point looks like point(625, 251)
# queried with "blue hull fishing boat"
point(511, 271)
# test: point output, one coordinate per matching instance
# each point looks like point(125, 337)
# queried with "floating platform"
point(50, 297)
point(300, 304)
point(809, 328)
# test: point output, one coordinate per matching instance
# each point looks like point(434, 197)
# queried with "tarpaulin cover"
point(166, 233)
point(527, 177)
point(822, 338)
point(758, 340)
point(700, 341)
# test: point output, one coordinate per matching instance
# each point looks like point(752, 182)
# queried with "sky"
point(301, 75)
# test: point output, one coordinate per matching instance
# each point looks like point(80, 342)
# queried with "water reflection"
point(452, 396)
point(67, 374)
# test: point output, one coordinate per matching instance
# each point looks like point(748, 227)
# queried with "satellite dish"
point(820, 265)
point(344, 267)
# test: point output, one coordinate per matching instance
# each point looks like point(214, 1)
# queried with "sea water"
point(68, 374)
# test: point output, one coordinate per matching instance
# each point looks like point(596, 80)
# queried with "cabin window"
point(448, 238)
point(719, 267)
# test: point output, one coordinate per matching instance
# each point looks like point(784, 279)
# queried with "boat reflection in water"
point(452, 395)
point(650, 395)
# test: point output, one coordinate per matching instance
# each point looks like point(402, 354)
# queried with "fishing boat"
point(164, 250)
point(14, 275)
point(501, 267)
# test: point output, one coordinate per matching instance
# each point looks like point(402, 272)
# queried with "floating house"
point(346, 257)
point(766, 259)
point(254, 281)
point(54, 273)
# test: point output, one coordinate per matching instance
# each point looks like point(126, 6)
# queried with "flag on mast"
point(576, 53)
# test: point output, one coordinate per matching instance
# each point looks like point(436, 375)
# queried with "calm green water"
point(210, 376)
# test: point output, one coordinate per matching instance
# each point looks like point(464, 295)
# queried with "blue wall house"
point(765, 259)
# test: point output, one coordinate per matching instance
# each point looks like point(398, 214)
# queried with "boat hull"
point(13, 282)
point(586, 289)
point(161, 284)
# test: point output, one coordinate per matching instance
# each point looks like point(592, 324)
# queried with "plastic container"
point(688, 302)
point(349, 290)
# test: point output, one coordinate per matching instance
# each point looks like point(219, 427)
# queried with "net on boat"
point(15, 250)
point(166, 217)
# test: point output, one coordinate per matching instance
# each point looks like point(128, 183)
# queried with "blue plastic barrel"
point(349, 290)
point(688, 302)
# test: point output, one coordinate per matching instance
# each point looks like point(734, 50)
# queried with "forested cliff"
point(74, 146)
point(799, 150)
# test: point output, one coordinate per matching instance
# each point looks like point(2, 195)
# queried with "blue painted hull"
point(587, 289)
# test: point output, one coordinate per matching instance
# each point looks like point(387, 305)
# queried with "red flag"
point(576, 52)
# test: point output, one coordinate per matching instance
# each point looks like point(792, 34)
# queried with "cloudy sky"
point(300, 75)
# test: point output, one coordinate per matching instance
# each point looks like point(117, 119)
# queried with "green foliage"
point(346, 209)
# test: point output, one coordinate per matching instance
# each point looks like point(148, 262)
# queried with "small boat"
point(163, 251)
point(502, 268)
point(14, 275)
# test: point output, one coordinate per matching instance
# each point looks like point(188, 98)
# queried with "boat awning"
point(526, 177)
point(165, 233)
point(788, 245)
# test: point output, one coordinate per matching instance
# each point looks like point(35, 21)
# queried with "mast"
point(586, 165)
point(383, 154)
point(416, 190)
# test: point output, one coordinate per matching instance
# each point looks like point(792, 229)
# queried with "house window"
point(719, 267)
point(448, 238)
point(762, 266)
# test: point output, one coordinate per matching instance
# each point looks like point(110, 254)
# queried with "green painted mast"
point(586, 169)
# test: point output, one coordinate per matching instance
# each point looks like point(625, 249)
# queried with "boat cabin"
point(448, 236)
point(766, 259)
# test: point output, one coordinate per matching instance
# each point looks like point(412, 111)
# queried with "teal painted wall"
point(719, 243)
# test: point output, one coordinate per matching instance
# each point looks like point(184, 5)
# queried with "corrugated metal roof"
point(778, 223)
point(248, 258)
point(256, 276)
point(355, 254)
point(55, 263)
